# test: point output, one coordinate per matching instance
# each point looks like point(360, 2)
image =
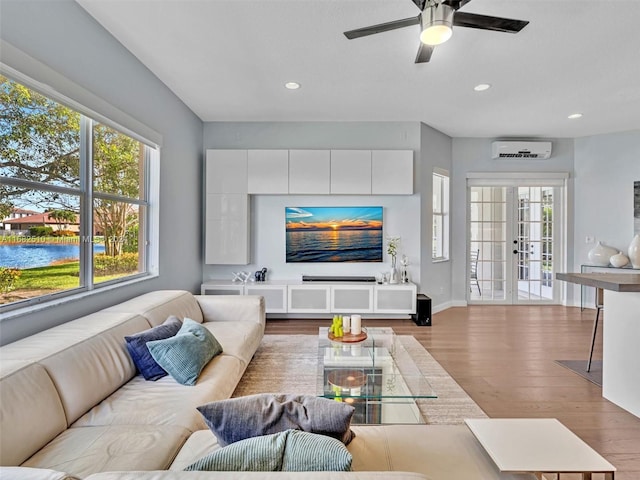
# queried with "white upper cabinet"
point(227, 229)
point(351, 172)
point(309, 172)
point(392, 172)
point(268, 171)
point(226, 171)
point(227, 236)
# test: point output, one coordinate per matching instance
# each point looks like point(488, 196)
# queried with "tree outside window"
point(44, 150)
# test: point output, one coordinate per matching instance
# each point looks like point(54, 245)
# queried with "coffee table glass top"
point(376, 375)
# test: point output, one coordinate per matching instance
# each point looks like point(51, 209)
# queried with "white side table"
point(537, 445)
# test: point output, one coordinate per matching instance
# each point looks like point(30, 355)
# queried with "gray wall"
point(605, 168)
point(435, 151)
point(63, 36)
point(401, 212)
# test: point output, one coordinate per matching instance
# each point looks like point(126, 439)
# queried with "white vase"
point(600, 255)
point(634, 251)
point(619, 260)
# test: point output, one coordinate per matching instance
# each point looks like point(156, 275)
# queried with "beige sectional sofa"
point(71, 401)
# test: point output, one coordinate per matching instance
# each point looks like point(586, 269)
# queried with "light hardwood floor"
point(503, 357)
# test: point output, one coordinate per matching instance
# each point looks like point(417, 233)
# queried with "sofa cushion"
point(235, 419)
point(31, 414)
point(83, 451)
point(240, 339)
point(289, 451)
point(232, 308)
point(54, 340)
point(448, 452)
point(156, 306)
point(161, 475)
point(185, 354)
point(137, 347)
point(166, 402)
point(29, 473)
point(92, 369)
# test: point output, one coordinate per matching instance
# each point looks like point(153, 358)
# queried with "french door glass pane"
point(488, 233)
point(535, 254)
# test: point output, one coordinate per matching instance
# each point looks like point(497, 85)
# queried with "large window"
point(74, 199)
point(440, 215)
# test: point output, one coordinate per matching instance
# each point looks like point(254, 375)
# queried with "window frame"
point(441, 242)
point(147, 201)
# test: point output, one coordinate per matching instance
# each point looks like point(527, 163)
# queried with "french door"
point(515, 234)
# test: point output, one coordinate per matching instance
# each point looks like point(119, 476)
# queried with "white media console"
point(297, 297)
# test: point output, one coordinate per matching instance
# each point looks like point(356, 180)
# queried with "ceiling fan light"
point(437, 24)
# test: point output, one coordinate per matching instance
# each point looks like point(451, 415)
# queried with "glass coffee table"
point(377, 376)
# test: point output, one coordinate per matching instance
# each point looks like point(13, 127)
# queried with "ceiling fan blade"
point(382, 27)
point(485, 22)
point(420, 4)
point(424, 53)
point(456, 4)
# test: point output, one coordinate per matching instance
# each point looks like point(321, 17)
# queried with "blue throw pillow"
point(186, 354)
point(235, 419)
point(288, 451)
point(137, 347)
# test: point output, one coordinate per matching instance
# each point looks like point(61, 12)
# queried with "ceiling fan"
point(437, 19)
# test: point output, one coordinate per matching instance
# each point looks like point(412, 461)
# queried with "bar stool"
point(599, 307)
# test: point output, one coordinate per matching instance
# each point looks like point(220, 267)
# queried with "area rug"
point(288, 364)
point(594, 375)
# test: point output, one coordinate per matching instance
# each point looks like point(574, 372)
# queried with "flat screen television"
point(333, 234)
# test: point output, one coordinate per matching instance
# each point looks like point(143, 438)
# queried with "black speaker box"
point(422, 316)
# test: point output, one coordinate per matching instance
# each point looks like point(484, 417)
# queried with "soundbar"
point(330, 278)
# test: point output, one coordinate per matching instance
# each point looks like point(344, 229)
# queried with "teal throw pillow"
point(287, 451)
point(184, 355)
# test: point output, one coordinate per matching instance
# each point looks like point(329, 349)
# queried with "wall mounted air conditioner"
point(511, 149)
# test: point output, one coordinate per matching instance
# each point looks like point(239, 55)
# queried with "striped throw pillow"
point(288, 451)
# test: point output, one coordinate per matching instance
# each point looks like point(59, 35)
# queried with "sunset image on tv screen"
point(334, 234)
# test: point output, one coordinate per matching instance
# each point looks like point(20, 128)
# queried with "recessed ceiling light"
point(575, 115)
point(482, 87)
point(292, 85)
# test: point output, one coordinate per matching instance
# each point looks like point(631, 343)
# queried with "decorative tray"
point(348, 337)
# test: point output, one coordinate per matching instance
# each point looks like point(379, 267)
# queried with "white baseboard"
point(446, 305)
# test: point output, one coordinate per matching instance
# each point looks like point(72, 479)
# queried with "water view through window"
point(48, 218)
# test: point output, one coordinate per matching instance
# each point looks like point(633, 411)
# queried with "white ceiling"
point(229, 60)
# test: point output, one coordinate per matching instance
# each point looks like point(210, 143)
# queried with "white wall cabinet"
point(222, 288)
point(352, 298)
point(227, 229)
point(392, 172)
point(351, 172)
point(275, 295)
point(232, 175)
point(226, 232)
point(400, 298)
point(268, 171)
point(309, 298)
point(309, 172)
point(226, 171)
point(313, 298)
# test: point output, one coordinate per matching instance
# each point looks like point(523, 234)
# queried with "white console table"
point(297, 297)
